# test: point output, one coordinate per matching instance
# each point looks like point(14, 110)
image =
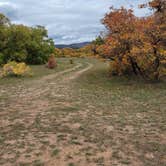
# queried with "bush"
point(21, 43)
point(15, 69)
point(52, 62)
point(71, 61)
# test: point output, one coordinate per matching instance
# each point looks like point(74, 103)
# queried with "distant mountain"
point(74, 46)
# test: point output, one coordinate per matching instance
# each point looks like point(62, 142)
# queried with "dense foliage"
point(136, 45)
point(23, 44)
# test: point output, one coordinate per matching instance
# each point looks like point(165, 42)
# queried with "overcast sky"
point(67, 21)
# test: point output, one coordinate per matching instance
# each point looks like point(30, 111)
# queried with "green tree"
point(40, 47)
point(24, 44)
point(4, 20)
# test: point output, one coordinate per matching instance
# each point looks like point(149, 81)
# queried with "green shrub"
point(21, 43)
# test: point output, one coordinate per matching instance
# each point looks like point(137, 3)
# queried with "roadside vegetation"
point(38, 71)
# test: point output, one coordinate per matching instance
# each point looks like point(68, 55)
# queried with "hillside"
point(74, 45)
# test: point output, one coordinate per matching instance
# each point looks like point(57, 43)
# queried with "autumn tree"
point(120, 24)
point(86, 51)
point(95, 44)
point(69, 52)
point(136, 45)
point(57, 52)
point(153, 40)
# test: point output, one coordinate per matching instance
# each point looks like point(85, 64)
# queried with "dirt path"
point(30, 102)
point(30, 98)
point(32, 86)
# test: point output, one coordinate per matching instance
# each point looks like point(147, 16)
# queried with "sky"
point(67, 21)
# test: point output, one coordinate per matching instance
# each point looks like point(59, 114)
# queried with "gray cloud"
point(67, 21)
point(9, 9)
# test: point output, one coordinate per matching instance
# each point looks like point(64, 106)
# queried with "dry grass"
point(82, 117)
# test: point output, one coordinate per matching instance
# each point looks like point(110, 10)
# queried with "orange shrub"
point(52, 62)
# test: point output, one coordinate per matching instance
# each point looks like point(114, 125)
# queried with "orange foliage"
point(52, 62)
point(136, 45)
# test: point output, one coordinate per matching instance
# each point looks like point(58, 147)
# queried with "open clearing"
point(77, 115)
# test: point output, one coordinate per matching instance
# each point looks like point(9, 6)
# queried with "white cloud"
point(67, 21)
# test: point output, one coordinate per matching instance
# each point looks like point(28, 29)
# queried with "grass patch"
point(55, 152)
point(38, 71)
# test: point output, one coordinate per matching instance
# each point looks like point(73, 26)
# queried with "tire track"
point(34, 99)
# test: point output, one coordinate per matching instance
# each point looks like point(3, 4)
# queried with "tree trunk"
point(133, 66)
point(156, 65)
point(136, 69)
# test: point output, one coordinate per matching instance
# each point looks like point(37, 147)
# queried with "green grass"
point(38, 71)
point(55, 152)
point(71, 164)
